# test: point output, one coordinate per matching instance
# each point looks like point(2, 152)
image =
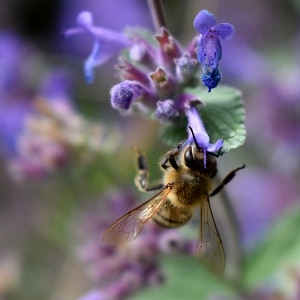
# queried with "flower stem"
point(157, 13)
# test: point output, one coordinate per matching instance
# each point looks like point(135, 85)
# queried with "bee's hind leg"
point(141, 179)
point(227, 179)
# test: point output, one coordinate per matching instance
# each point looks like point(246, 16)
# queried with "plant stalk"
point(157, 13)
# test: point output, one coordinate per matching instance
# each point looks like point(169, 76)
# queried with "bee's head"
point(194, 159)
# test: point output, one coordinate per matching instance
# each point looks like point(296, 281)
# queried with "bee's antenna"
point(191, 129)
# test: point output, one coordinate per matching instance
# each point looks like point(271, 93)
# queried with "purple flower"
point(158, 89)
point(121, 270)
point(38, 133)
point(209, 50)
point(196, 130)
point(106, 42)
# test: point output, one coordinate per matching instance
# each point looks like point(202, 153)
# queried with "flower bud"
point(166, 110)
point(122, 94)
point(185, 66)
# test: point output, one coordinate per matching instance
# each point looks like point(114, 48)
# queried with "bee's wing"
point(127, 227)
point(210, 248)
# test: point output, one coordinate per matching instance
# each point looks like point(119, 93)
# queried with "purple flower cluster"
point(39, 127)
point(129, 267)
point(155, 73)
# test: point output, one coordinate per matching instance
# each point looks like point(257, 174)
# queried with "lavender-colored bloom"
point(209, 50)
point(106, 42)
point(172, 68)
point(166, 110)
point(124, 93)
point(174, 71)
point(196, 129)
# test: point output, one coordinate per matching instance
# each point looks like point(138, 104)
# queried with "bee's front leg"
point(141, 179)
point(169, 160)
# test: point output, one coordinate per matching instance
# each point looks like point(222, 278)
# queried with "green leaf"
point(185, 279)
point(174, 132)
point(223, 116)
point(280, 250)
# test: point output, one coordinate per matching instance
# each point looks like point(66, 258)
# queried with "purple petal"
point(195, 122)
point(224, 30)
point(92, 61)
point(72, 31)
point(204, 21)
point(216, 146)
point(209, 51)
point(107, 42)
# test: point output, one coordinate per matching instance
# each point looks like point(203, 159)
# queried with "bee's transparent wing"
point(210, 248)
point(127, 227)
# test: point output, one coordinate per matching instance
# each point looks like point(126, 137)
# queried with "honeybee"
point(186, 184)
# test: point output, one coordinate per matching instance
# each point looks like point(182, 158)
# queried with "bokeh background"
point(53, 182)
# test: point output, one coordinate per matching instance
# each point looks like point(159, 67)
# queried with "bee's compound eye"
point(189, 157)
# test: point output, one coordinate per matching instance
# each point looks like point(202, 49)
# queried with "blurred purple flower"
point(113, 14)
point(39, 133)
point(209, 50)
point(12, 119)
point(11, 69)
point(122, 270)
point(261, 197)
point(106, 42)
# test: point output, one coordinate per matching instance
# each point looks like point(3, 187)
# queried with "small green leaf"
point(174, 132)
point(280, 250)
point(223, 116)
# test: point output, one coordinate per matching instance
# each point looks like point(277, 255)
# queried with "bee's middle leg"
point(141, 179)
